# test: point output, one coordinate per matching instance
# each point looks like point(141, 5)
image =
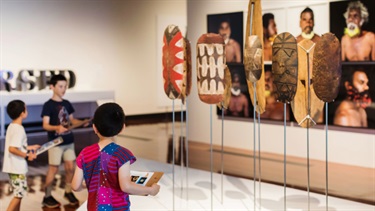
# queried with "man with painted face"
point(306, 23)
point(269, 34)
point(239, 104)
point(357, 44)
point(232, 47)
point(351, 111)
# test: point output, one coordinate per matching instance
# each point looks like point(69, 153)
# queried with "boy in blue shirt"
point(58, 118)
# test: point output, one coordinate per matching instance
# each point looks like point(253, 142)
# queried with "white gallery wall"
point(344, 147)
point(109, 44)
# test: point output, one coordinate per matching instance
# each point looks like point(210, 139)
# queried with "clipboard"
point(49, 145)
point(146, 178)
point(156, 176)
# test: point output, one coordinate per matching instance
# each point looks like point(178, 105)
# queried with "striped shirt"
point(100, 170)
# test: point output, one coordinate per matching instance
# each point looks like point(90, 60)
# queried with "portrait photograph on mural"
point(353, 23)
point(240, 104)
point(230, 27)
point(354, 106)
point(274, 110)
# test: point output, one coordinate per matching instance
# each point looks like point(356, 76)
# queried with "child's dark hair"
point(15, 108)
point(109, 119)
point(55, 78)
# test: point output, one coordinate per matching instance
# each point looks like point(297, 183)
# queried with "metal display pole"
point(260, 172)
point(326, 156)
point(308, 129)
point(284, 156)
point(173, 152)
point(222, 153)
point(211, 158)
point(254, 145)
point(308, 118)
point(308, 167)
point(181, 148)
point(187, 150)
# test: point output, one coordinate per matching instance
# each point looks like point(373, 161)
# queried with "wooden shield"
point(302, 105)
point(210, 68)
point(327, 67)
point(257, 29)
point(174, 64)
point(227, 90)
point(187, 73)
point(253, 58)
point(285, 67)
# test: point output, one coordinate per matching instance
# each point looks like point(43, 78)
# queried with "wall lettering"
point(32, 79)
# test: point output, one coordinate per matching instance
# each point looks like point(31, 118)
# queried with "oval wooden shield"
point(174, 64)
point(227, 90)
point(257, 29)
point(327, 67)
point(253, 58)
point(307, 110)
point(210, 68)
point(188, 72)
point(285, 67)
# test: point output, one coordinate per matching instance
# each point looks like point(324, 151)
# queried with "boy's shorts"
point(19, 184)
point(62, 151)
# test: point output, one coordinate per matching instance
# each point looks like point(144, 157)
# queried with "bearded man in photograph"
point(357, 44)
point(306, 23)
point(351, 111)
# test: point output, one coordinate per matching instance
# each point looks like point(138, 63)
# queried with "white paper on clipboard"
point(49, 145)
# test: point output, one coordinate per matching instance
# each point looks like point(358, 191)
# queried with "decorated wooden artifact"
point(188, 73)
point(210, 68)
point(176, 63)
point(256, 29)
point(285, 66)
point(227, 89)
point(306, 106)
point(253, 58)
point(327, 67)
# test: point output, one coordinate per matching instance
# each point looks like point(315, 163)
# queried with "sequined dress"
point(100, 169)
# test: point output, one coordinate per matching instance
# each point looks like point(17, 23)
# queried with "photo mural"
point(351, 22)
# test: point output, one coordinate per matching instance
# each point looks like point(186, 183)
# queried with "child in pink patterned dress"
point(105, 166)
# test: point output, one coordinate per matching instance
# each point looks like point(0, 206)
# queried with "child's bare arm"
point(58, 128)
point(77, 122)
point(33, 147)
point(30, 155)
point(130, 187)
point(77, 179)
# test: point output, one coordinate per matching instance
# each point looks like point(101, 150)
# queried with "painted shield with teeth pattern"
point(285, 66)
point(210, 68)
point(327, 67)
point(174, 62)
